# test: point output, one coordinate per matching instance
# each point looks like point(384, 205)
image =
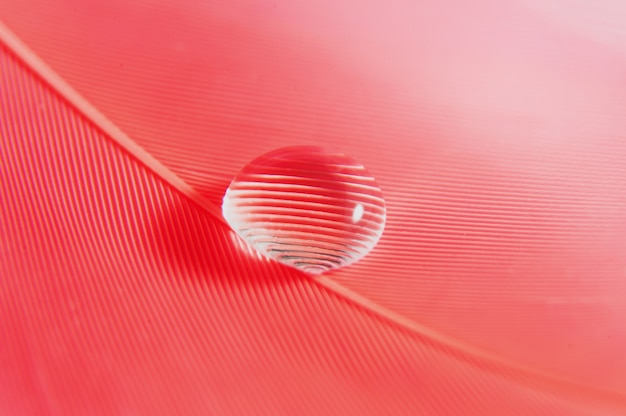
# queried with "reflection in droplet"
point(307, 207)
point(357, 214)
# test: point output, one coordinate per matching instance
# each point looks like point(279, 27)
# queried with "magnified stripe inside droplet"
point(307, 207)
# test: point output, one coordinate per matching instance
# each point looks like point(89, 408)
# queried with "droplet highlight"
point(307, 207)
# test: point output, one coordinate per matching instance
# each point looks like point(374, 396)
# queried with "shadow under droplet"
point(214, 190)
point(191, 244)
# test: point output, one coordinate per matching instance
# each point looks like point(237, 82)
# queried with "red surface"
point(495, 131)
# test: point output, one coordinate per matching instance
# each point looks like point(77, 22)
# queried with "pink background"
point(496, 131)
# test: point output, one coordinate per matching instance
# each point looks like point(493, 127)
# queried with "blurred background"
point(495, 130)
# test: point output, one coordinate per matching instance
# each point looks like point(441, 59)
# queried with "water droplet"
point(307, 207)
